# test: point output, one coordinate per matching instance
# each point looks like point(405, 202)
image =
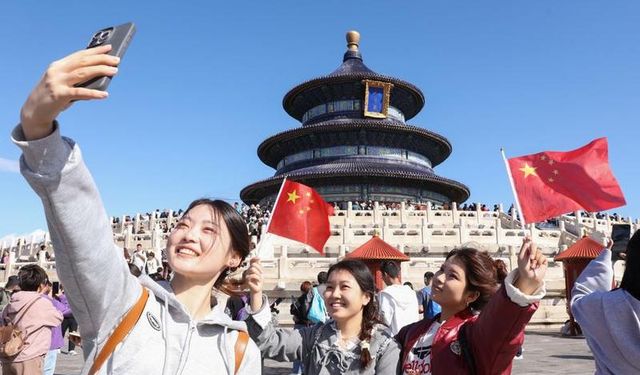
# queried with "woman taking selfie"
point(173, 331)
point(482, 323)
point(353, 341)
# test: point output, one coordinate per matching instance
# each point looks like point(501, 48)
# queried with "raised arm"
point(275, 343)
point(90, 266)
point(596, 277)
point(498, 332)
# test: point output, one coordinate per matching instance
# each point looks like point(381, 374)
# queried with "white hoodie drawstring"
point(164, 312)
point(226, 349)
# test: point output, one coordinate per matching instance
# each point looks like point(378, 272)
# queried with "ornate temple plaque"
point(376, 98)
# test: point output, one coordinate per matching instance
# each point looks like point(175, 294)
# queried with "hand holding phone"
point(62, 82)
point(119, 38)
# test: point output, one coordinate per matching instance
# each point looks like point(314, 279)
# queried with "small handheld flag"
point(302, 215)
point(551, 183)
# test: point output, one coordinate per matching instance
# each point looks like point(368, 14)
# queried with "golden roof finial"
point(353, 40)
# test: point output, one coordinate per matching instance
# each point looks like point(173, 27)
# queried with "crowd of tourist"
point(175, 326)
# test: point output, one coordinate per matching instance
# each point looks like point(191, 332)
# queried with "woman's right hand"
point(56, 90)
point(253, 279)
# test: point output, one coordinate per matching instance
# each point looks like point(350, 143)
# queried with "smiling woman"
point(354, 341)
point(207, 228)
point(182, 333)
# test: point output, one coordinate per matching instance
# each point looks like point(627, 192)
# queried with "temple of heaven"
point(354, 143)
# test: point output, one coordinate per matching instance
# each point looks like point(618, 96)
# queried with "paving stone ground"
point(546, 352)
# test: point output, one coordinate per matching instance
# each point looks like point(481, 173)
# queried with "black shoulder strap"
point(465, 348)
point(316, 337)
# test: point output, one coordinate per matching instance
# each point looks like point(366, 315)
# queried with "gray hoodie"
point(317, 347)
point(610, 320)
point(100, 289)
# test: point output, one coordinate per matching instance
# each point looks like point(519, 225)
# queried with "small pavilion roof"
point(377, 249)
point(585, 248)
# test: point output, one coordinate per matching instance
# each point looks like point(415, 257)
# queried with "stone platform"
point(545, 351)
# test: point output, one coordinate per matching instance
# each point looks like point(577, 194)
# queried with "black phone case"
point(620, 235)
point(119, 37)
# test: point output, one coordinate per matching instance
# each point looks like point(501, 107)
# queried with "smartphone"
point(620, 235)
point(55, 289)
point(119, 37)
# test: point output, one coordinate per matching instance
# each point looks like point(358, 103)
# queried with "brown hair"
point(306, 286)
point(483, 274)
point(235, 224)
point(370, 316)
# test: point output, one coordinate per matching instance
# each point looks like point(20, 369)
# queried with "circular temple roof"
point(404, 96)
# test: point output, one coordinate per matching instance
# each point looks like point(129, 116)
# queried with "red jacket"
point(494, 337)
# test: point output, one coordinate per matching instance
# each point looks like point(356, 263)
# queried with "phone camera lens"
point(100, 38)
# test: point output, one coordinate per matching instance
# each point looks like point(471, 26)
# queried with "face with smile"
point(199, 248)
point(344, 297)
point(449, 286)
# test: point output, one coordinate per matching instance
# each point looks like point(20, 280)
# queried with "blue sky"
point(202, 83)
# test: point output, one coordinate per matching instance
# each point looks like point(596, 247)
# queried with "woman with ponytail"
point(353, 341)
point(484, 314)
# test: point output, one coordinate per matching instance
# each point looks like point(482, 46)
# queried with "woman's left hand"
point(532, 267)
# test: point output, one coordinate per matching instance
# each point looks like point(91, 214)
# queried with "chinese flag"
point(302, 215)
point(552, 183)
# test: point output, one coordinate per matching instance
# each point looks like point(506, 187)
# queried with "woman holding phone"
point(177, 331)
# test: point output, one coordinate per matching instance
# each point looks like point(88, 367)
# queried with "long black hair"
point(237, 227)
point(631, 277)
point(370, 313)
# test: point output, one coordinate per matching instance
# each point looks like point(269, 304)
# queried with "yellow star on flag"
point(293, 197)
point(528, 170)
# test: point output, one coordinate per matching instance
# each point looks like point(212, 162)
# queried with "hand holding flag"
point(532, 267)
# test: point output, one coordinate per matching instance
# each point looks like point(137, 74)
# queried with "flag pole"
point(266, 232)
point(276, 203)
point(513, 188)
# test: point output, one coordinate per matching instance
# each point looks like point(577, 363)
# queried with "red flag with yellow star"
point(302, 215)
point(552, 183)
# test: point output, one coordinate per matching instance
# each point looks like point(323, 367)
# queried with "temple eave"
point(274, 148)
point(454, 190)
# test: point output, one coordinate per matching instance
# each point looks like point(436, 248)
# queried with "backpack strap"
point(120, 332)
point(240, 348)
